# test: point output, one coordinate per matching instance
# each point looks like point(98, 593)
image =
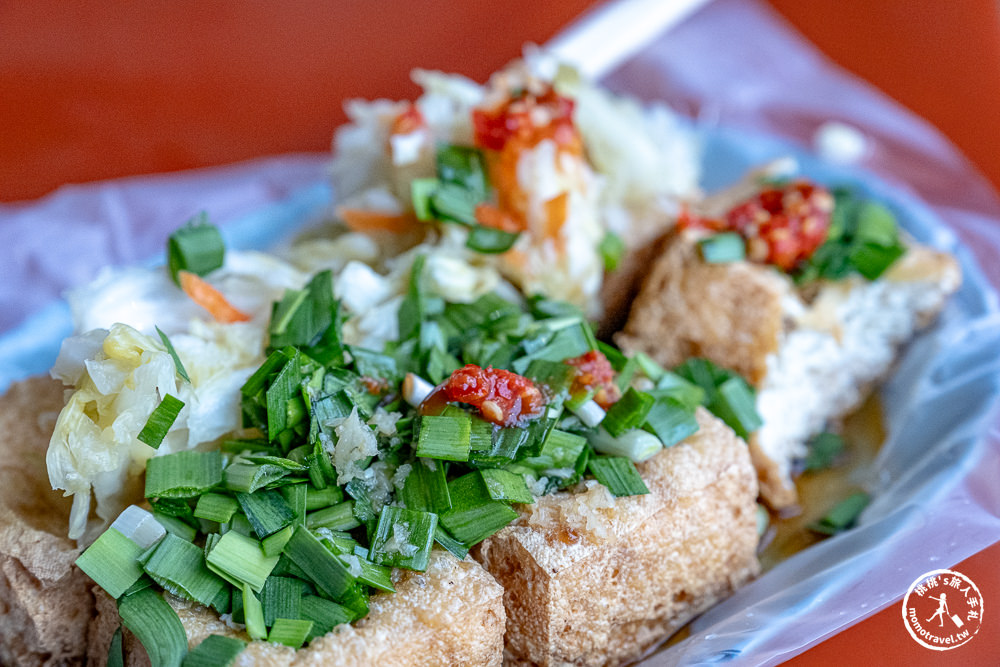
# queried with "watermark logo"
point(943, 609)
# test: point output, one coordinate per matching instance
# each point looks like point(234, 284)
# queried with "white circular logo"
point(943, 609)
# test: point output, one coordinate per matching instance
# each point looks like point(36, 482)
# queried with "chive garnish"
point(290, 632)
point(490, 241)
point(474, 514)
point(612, 248)
point(116, 658)
point(445, 437)
point(112, 562)
point(241, 558)
point(618, 474)
point(196, 247)
point(629, 412)
point(403, 538)
point(824, 449)
point(722, 248)
point(215, 651)
point(182, 474)
point(179, 567)
point(160, 420)
point(148, 616)
point(843, 515)
point(173, 354)
point(325, 614)
point(671, 420)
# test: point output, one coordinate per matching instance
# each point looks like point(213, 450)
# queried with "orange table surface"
point(101, 90)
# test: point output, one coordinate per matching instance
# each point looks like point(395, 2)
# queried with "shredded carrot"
point(361, 220)
point(489, 215)
point(210, 299)
point(555, 215)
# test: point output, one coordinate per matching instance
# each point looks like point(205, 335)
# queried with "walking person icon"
point(941, 610)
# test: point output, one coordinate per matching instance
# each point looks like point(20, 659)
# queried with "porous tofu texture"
point(813, 360)
point(452, 614)
point(45, 602)
point(592, 580)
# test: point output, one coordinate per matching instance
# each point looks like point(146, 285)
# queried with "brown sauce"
point(863, 434)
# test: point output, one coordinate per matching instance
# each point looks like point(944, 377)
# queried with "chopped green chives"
point(283, 387)
point(336, 517)
point(323, 568)
point(723, 248)
point(676, 387)
point(444, 538)
point(160, 421)
point(216, 507)
point(196, 247)
point(324, 614)
point(612, 249)
point(241, 525)
point(115, 656)
point(412, 310)
point(281, 597)
point(176, 526)
point(376, 576)
point(243, 476)
point(183, 474)
point(464, 166)
point(295, 496)
point(481, 436)
point(421, 191)
point(735, 404)
point(490, 241)
point(426, 487)
point(148, 616)
point(671, 421)
point(337, 541)
point(649, 367)
point(274, 543)
point(173, 354)
point(320, 498)
point(560, 449)
point(309, 320)
point(403, 538)
point(253, 614)
point(444, 437)
point(571, 339)
point(872, 260)
point(243, 559)
point(474, 515)
point(267, 511)
point(455, 203)
point(290, 632)
point(215, 651)
point(112, 562)
point(843, 515)
point(179, 567)
point(824, 449)
point(628, 412)
point(505, 485)
point(555, 376)
point(875, 224)
point(618, 474)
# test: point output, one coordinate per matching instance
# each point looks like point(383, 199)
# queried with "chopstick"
point(606, 36)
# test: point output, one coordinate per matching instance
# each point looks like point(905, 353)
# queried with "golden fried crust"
point(45, 602)
point(776, 488)
point(729, 313)
point(594, 580)
point(452, 614)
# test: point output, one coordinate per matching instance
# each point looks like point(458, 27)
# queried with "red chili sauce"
point(502, 397)
point(782, 225)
